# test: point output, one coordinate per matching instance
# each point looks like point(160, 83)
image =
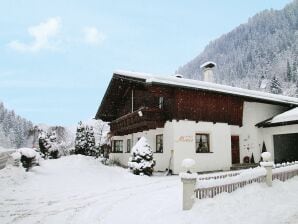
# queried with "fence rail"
point(219, 175)
point(210, 192)
point(283, 176)
point(229, 182)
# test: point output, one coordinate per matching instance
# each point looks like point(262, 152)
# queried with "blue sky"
point(57, 57)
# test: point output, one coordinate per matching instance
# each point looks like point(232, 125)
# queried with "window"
point(118, 146)
point(202, 143)
point(160, 102)
point(128, 145)
point(159, 143)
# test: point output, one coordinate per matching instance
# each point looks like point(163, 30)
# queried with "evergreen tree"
point(81, 139)
point(44, 143)
point(252, 158)
point(54, 149)
point(91, 149)
point(289, 72)
point(14, 130)
point(275, 86)
point(141, 161)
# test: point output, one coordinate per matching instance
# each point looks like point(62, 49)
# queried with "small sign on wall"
point(187, 138)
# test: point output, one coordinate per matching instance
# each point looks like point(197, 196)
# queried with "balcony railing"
point(144, 118)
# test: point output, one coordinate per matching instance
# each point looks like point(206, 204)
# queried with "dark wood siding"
point(206, 106)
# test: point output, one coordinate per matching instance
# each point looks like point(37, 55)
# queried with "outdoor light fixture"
point(140, 113)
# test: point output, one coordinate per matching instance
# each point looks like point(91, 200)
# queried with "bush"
point(27, 157)
point(141, 162)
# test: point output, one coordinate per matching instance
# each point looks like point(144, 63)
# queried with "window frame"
point(208, 142)
point(161, 102)
point(128, 149)
point(114, 146)
point(157, 143)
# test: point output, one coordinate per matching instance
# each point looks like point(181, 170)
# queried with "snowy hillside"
point(78, 189)
point(264, 47)
point(14, 129)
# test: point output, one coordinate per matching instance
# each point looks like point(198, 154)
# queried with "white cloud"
point(41, 34)
point(92, 36)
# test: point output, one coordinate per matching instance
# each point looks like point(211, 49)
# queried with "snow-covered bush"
point(49, 145)
point(27, 157)
point(54, 149)
point(44, 143)
point(141, 161)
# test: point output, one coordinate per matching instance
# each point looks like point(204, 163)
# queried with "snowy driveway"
point(78, 189)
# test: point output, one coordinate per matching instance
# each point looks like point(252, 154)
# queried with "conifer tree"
point(141, 161)
point(275, 86)
point(81, 140)
point(289, 72)
point(54, 149)
point(44, 143)
point(91, 149)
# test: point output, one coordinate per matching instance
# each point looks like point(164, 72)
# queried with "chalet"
point(214, 124)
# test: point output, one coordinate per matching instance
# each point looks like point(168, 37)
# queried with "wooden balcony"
point(143, 119)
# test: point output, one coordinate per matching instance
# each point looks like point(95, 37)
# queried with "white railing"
point(210, 185)
point(208, 188)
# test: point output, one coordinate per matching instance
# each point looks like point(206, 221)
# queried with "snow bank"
point(78, 189)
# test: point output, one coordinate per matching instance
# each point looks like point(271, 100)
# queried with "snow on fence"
point(218, 175)
point(208, 187)
point(285, 171)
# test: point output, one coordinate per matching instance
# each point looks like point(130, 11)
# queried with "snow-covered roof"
point(290, 115)
point(191, 83)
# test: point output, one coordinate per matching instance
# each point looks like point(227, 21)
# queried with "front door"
point(235, 149)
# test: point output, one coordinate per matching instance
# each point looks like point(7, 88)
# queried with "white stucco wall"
point(184, 145)
point(251, 138)
point(267, 134)
point(179, 140)
point(162, 159)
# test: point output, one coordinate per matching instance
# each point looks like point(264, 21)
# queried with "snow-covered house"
point(216, 125)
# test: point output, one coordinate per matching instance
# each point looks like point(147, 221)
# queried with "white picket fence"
point(212, 185)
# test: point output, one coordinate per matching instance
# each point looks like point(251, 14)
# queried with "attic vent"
point(178, 76)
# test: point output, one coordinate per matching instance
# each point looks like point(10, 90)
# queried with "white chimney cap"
point(208, 64)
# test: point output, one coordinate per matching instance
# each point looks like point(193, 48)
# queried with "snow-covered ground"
point(78, 189)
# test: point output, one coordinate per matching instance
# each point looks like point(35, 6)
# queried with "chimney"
point(178, 76)
point(208, 71)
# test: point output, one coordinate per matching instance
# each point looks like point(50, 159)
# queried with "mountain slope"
point(14, 130)
point(267, 45)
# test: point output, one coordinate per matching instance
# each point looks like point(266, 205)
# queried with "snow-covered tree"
point(14, 130)
point(275, 86)
point(81, 139)
point(141, 161)
point(44, 143)
point(54, 149)
point(91, 149)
